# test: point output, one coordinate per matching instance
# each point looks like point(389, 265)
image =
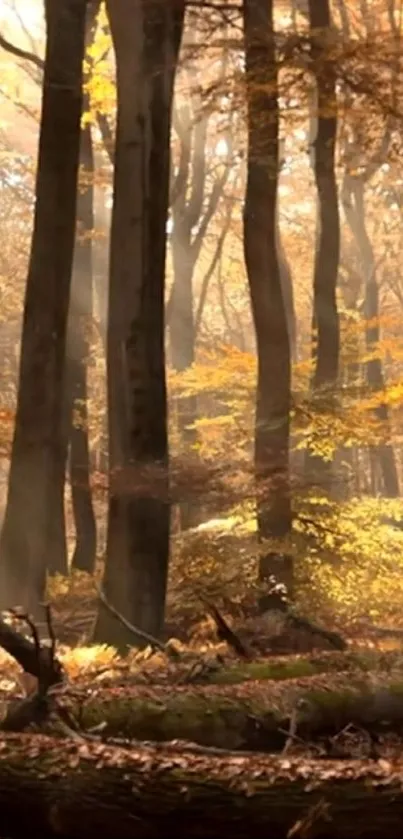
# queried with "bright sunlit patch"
point(221, 148)
point(300, 134)
point(82, 659)
point(30, 11)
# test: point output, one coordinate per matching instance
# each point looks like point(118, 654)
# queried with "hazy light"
point(31, 11)
point(221, 148)
point(169, 226)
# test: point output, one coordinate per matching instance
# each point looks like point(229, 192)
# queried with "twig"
point(305, 827)
point(292, 730)
point(154, 642)
point(224, 632)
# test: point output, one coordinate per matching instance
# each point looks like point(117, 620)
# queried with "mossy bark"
point(250, 716)
point(280, 668)
point(53, 789)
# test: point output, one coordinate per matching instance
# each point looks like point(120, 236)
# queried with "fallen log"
point(92, 791)
point(278, 668)
point(254, 715)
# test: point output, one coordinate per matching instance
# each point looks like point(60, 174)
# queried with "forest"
point(201, 419)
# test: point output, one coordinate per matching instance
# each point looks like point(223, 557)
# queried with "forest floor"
point(196, 741)
point(299, 745)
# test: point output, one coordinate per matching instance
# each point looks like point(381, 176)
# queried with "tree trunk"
point(325, 313)
point(38, 435)
point(355, 211)
point(80, 346)
point(81, 790)
point(268, 308)
point(75, 419)
point(146, 36)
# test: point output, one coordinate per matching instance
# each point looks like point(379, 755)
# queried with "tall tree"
point(146, 36)
point(354, 207)
point(268, 306)
point(37, 435)
point(75, 451)
point(196, 192)
point(75, 434)
point(361, 167)
point(327, 251)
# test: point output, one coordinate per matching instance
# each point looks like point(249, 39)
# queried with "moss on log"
point(51, 788)
point(279, 668)
point(252, 715)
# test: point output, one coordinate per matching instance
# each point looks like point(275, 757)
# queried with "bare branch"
point(154, 642)
point(210, 271)
point(26, 55)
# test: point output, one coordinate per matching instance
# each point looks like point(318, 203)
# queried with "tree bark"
point(268, 307)
point(146, 36)
point(326, 342)
point(89, 790)
point(75, 450)
point(37, 442)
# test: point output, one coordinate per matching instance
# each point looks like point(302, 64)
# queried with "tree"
point(146, 37)
point(75, 414)
point(193, 205)
point(325, 312)
point(268, 307)
point(361, 165)
point(75, 452)
point(37, 436)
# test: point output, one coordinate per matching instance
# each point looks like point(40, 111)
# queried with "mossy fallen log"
point(279, 668)
point(252, 715)
point(50, 789)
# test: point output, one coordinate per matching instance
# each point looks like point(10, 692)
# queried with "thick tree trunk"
point(75, 417)
point(38, 440)
point(90, 790)
point(262, 263)
point(326, 344)
point(146, 36)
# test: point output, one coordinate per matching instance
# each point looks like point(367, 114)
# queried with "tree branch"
point(26, 55)
point(154, 642)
